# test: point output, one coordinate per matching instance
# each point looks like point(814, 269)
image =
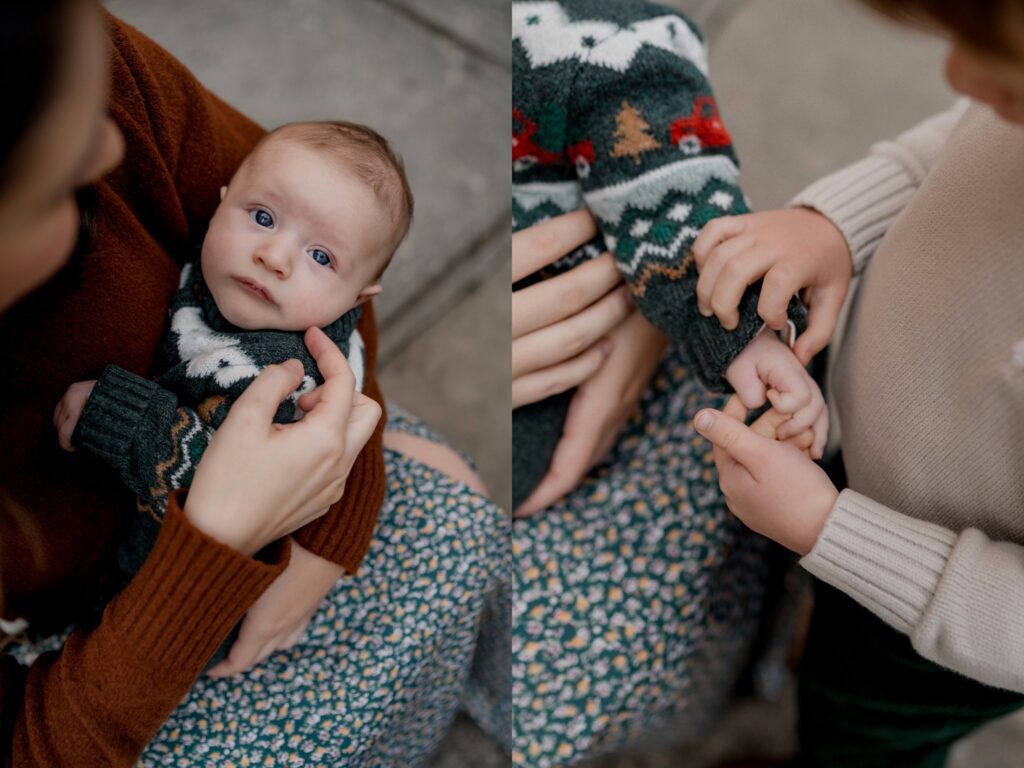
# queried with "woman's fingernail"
point(704, 421)
point(705, 312)
point(293, 365)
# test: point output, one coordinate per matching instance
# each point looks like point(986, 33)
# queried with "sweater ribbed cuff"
point(112, 414)
point(862, 200)
point(888, 562)
point(712, 349)
point(189, 594)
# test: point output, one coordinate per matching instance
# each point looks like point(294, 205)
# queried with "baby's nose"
point(274, 256)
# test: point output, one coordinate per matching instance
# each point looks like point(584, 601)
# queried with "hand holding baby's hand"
point(767, 369)
point(69, 411)
point(795, 249)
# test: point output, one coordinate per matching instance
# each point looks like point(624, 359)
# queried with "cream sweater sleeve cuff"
point(862, 200)
point(888, 562)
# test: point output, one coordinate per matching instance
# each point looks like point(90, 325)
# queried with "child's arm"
point(816, 246)
point(958, 596)
point(656, 164)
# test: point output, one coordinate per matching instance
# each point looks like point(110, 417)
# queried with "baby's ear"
point(223, 191)
point(373, 289)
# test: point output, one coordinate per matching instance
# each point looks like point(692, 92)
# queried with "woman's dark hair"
point(33, 38)
point(980, 23)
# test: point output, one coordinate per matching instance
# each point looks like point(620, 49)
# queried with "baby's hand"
point(69, 411)
point(768, 369)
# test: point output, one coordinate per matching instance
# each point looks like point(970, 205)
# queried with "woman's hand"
point(792, 249)
point(278, 619)
point(559, 325)
point(599, 409)
point(773, 487)
point(259, 481)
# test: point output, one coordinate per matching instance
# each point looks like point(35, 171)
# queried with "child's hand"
point(69, 411)
point(278, 619)
point(792, 249)
point(766, 368)
point(772, 487)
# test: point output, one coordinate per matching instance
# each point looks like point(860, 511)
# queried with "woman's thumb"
point(267, 390)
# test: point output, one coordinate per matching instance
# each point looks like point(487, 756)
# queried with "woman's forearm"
point(100, 700)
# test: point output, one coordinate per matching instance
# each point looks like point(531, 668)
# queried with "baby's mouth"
point(257, 288)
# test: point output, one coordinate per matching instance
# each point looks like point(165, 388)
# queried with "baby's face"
point(295, 242)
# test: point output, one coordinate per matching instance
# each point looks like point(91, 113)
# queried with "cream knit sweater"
point(929, 391)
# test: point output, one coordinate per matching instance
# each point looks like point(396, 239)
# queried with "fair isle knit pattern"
point(612, 110)
point(154, 432)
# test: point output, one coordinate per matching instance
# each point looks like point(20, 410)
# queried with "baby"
point(612, 111)
point(301, 237)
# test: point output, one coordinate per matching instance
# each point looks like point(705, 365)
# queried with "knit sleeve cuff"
point(888, 562)
point(112, 414)
point(712, 348)
point(862, 200)
point(189, 594)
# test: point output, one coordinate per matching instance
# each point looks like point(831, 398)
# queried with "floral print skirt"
point(637, 597)
point(385, 662)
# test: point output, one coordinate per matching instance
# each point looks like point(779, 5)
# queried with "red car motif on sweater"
point(703, 128)
point(527, 153)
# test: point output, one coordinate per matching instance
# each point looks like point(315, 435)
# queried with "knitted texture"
point(612, 111)
point(155, 432)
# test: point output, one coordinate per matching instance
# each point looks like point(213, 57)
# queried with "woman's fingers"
point(308, 401)
point(548, 241)
point(259, 402)
point(363, 418)
point(558, 378)
point(714, 233)
point(335, 400)
point(557, 298)
point(571, 337)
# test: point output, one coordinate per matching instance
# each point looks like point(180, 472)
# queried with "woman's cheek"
point(37, 252)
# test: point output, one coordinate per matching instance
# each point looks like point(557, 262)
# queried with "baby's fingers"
point(790, 391)
point(808, 415)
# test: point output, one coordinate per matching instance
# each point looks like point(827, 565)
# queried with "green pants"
point(867, 699)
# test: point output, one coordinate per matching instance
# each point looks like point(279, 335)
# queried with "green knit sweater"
point(612, 111)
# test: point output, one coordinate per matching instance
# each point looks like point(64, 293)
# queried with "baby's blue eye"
point(263, 218)
point(321, 257)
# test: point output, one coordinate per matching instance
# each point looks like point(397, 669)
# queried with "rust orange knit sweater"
point(104, 698)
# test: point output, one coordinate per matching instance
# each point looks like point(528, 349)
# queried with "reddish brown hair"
point(979, 23)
